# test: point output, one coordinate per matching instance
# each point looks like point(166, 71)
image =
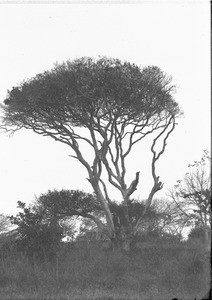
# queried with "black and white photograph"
point(105, 150)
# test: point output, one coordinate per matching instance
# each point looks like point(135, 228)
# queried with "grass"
point(91, 272)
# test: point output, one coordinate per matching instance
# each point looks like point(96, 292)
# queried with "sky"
point(173, 35)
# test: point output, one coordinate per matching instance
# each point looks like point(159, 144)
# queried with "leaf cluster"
point(135, 210)
point(80, 92)
point(66, 203)
point(37, 237)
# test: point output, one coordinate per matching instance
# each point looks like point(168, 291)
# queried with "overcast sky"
point(174, 36)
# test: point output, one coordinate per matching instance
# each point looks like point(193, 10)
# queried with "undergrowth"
point(151, 271)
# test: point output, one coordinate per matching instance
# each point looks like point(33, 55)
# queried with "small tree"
point(110, 106)
point(38, 237)
point(60, 205)
point(5, 223)
point(170, 220)
point(192, 196)
point(43, 224)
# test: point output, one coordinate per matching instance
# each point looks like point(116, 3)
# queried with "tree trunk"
point(104, 204)
point(123, 239)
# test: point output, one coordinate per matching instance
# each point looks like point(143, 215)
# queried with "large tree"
point(109, 105)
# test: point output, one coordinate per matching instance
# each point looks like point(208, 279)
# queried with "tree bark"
point(105, 206)
point(123, 238)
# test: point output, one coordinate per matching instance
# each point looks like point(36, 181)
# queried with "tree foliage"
point(170, 220)
point(5, 223)
point(192, 195)
point(81, 92)
point(37, 237)
point(198, 233)
point(117, 104)
point(42, 225)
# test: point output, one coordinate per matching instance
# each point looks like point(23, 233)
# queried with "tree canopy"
point(93, 93)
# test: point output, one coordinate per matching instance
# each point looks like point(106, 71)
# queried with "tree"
point(135, 210)
point(5, 223)
point(39, 236)
point(192, 196)
point(108, 105)
point(63, 205)
point(60, 205)
point(169, 219)
point(43, 224)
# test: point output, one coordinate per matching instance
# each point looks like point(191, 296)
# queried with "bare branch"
point(98, 222)
point(158, 185)
point(105, 191)
point(133, 186)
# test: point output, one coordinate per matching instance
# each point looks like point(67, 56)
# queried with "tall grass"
point(91, 272)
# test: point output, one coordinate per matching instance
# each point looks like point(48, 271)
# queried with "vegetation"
point(122, 250)
point(37, 237)
point(109, 106)
point(192, 198)
point(5, 223)
point(36, 264)
point(154, 270)
point(43, 224)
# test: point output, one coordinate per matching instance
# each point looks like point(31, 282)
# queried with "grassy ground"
point(152, 271)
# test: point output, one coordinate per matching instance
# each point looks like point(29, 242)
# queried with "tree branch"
point(158, 185)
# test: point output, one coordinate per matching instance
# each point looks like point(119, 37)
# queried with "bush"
point(38, 237)
point(198, 233)
point(41, 242)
